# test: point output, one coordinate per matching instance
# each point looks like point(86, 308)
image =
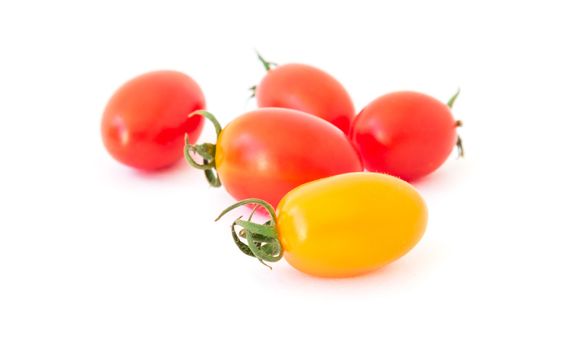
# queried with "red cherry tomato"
point(145, 120)
point(267, 152)
point(405, 134)
point(308, 89)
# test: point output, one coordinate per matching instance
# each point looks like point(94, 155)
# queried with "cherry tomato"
point(145, 120)
point(308, 89)
point(267, 152)
point(341, 226)
point(405, 134)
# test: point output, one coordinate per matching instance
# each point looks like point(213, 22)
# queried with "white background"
point(94, 255)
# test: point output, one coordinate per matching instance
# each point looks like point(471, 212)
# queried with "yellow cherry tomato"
point(340, 226)
point(349, 224)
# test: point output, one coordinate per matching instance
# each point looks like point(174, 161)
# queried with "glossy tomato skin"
point(145, 121)
point(405, 134)
point(350, 224)
point(308, 89)
point(269, 151)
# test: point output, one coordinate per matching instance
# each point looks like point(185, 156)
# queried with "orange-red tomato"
point(146, 119)
point(308, 89)
point(405, 134)
point(267, 152)
point(341, 226)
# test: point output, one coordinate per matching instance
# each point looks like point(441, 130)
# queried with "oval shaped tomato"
point(269, 151)
point(146, 119)
point(308, 89)
point(405, 134)
point(341, 226)
point(349, 224)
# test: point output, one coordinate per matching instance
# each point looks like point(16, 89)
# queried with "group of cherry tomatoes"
point(303, 151)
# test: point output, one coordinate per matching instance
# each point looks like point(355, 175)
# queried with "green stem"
point(266, 64)
point(460, 147)
point(253, 90)
point(259, 202)
point(262, 239)
point(459, 143)
point(212, 177)
point(452, 99)
point(192, 149)
point(206, 150)
point(211, 117)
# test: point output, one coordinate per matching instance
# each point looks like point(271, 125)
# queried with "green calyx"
point(459, 144)
point(206, 150)
point(261, 240)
